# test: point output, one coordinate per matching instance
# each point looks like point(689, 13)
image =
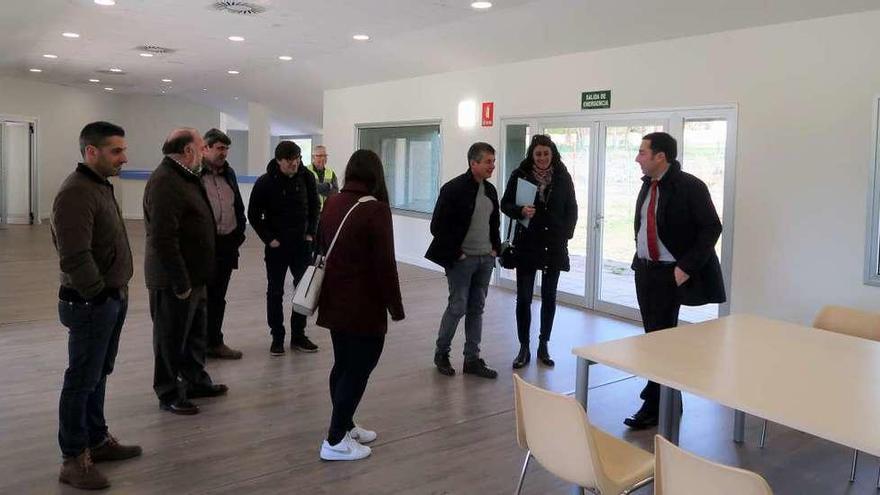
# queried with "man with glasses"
point(324, 175)
point(283, 210)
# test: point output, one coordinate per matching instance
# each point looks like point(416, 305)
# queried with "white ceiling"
point(409, 38)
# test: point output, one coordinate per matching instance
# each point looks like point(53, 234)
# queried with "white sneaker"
point(346, 450)
point(362, 435)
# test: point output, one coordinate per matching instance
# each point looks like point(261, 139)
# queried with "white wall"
point(62, 112)
point(147, 120)
point(804, 92)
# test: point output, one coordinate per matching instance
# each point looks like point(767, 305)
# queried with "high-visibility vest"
point(328, 177)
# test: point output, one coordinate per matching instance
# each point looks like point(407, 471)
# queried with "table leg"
point(582, 381)
point(581, 390)
point(670, 413)
point(739, 425)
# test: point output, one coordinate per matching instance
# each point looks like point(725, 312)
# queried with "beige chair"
point(554, 429)
point(677, 472)
point(848, 321)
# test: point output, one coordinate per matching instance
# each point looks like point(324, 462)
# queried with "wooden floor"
point(437, 435)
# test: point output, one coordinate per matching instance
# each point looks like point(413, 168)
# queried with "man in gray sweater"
point(95, 258)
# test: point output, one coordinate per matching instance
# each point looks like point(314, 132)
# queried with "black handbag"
point(507, 256)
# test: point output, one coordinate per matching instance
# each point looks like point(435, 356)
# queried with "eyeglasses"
point(320, 156)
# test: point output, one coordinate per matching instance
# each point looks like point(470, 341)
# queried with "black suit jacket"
point(689, 227)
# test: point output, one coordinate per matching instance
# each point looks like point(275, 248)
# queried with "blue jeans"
point(92, 343)
point(468, 281)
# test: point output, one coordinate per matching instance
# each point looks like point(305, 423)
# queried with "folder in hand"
point(525, 196)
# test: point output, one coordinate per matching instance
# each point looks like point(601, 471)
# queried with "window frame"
point(408, 123)
point(872, 242)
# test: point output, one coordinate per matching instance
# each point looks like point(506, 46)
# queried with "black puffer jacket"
point(284, 208)
point(544, 244)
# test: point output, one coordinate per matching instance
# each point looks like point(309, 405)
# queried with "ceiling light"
point(105, 2)
point(481, 5)
point(204, 89)
point(166, 80)
point(233, 72)
point(286, 58)
point(36, 70)
point(234, 97)
point(235, 38)
point(49, 55)
point(70, 35)
point(94, 80)
point(115, 69)
point(360, 37)
point(146, 55)
point(108, 89)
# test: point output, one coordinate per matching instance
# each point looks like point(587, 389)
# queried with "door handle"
point(598, 223)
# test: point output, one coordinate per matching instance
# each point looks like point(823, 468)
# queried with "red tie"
point(653, 249)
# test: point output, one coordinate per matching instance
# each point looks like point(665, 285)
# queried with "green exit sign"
point(591, 100)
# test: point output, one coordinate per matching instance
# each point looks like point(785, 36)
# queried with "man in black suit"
point(676, 229)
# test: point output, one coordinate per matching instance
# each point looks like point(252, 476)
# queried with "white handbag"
point(308, 291)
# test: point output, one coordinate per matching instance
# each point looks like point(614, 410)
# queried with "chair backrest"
point(677, 472)
point(849, 321)
point(555, 429)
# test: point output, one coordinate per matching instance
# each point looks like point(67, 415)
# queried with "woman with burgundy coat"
point(360, 289)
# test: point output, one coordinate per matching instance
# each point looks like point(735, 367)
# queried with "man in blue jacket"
point(466, 234)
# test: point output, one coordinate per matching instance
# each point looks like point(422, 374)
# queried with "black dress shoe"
point(523, 358)
point(544, 355)
point(213, 390)
point(642, 420)
point(180, 406)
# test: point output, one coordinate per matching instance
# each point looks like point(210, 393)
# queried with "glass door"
point(619, 180)
point(574, 142)
point(516, 140)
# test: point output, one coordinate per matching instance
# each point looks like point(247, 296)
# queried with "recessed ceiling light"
point(166, 80)
point(105, 2)
point(163, 91)
point(49, 55)
point(235, 38)
point(70, 35)
point(360, 37)
point(36, 70)
point(204, 89)
point(286, 58)
point(234, 97)
point(94, 80)
point(146, 55)
point(481, 5)
point(115, 69)
point(108, 89)
point(233, 72)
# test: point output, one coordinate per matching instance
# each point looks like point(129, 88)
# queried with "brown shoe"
point(223, 351)
point(112, 450)
point(80, 472)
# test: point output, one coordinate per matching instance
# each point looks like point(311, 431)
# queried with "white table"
point(822, 383)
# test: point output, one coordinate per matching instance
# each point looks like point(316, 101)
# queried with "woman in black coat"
point(543, 245)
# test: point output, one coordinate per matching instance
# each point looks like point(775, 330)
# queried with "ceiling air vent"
point(238, 7)
point(158, 50)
